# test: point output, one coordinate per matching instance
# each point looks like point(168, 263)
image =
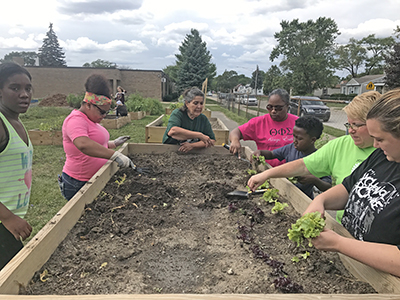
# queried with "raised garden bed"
point(114, 122)
point(155, 132)
point(44, 137)
point(137, 115)
point(167, 209)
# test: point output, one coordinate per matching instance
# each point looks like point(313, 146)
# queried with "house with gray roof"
point(359, 85)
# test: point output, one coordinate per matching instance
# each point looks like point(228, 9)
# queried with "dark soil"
point(172, 232)
point(54, 100)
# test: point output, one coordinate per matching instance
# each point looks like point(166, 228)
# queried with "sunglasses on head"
point(101, 111)
point(276, 107)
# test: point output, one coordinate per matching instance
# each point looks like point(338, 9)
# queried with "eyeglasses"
point(101, 111)
point(353, 126)
point(276, 107)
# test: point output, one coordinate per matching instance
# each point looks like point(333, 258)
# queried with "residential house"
point(359, 85)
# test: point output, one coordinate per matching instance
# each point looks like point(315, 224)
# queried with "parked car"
point(251, 99)
point(310, 106)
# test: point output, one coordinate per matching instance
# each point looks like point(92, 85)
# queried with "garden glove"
point(120, 140)
point(123, 161)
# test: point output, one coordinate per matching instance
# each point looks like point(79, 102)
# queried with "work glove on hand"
point(123, 161)
point(120, 140)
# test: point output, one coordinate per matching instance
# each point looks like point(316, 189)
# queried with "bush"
point(171, 97)
point(135, 102)
point(75, 100)
point(173, 106)
point(154, 106)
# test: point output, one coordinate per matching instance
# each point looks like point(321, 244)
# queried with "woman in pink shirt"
point(86, 143)
point(270, 131)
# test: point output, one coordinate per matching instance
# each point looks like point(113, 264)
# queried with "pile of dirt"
point(177, 231)
point(54, 100)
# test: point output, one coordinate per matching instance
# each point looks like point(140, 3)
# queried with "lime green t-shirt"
point(338, 158)
point(181, 119)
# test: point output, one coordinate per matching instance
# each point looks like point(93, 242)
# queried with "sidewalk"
point(232, 125)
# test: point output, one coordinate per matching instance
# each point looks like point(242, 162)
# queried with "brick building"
point(48, 81)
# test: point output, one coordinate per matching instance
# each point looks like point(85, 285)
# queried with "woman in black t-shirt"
point(370, 196)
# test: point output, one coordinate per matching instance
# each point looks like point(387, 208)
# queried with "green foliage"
point(54, 124)
point(392, 69)
point(194, 62)
point(251, 172)
point(278, 207)
point(307, 52)
point(271, 195)
point(100, 63)
point(51, 54)
point(228, 80)
point(29, 57)
point(260, 78)
point(293, 179)
point(171, 97)
point(165, 120)
point(154, 106)
point(307, 227)
point(173, 106)
point(75, 100)
point(273, 79)
point(259, 160)
point(265, 185)
point(136, 102)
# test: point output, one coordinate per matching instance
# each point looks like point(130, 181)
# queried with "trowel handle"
point(226, 146)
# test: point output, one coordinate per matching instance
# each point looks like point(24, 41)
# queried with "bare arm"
point(311, 179)
point(19, 227)
point(92, 148)
point(291, 169)
point(181, 134)
point(234, 137)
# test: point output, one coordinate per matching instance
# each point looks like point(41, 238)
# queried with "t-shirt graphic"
point(367, 199)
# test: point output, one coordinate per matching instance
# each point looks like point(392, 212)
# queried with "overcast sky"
point(146, 34)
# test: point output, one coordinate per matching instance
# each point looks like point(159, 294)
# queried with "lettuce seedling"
point(307, 227)
point(251, 172)
point(271, 195)
point(278, 207)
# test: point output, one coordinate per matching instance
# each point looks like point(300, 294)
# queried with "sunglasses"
point(101, 111)
point(276, 107)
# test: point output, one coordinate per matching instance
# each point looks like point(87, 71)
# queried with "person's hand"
point(186, 147)
point(120, 140)
point(307, 179)
point(256, 153)
point(255, 181)
point(327, 240)
point(235, 148)
point(122, 160)
point(207, 140)
point(19, 227)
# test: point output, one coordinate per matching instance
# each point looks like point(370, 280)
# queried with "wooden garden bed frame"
point(115, 123)
point(31, 258)
point(155, 132)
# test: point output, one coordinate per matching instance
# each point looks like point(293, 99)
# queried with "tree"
point(51, 54)
point(379, 48)
point(392, 68)
point(29, 57)
point(308, 52)
point(274, 79)
point(260, 78)
point(193, 62)
point(172, 72)
point(351, 56)
point(99, 63)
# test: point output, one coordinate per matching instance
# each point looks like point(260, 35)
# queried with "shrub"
point(135, 102)
point(171, 97)
point(173, 106)
point(154, 106)
point(75, 100)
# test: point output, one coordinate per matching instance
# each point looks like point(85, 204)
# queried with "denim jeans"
point(69, 186)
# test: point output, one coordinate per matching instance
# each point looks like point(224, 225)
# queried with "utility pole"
point(255, 85)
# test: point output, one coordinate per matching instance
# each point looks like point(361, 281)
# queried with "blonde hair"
point(360, 105)
point(387, 112)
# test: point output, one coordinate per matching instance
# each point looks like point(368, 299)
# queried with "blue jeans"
point(69, 186)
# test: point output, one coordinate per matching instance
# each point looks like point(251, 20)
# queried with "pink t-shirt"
point(78, 165)
point(269, 134)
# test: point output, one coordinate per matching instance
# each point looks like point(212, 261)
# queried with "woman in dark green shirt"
point(187, 126)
